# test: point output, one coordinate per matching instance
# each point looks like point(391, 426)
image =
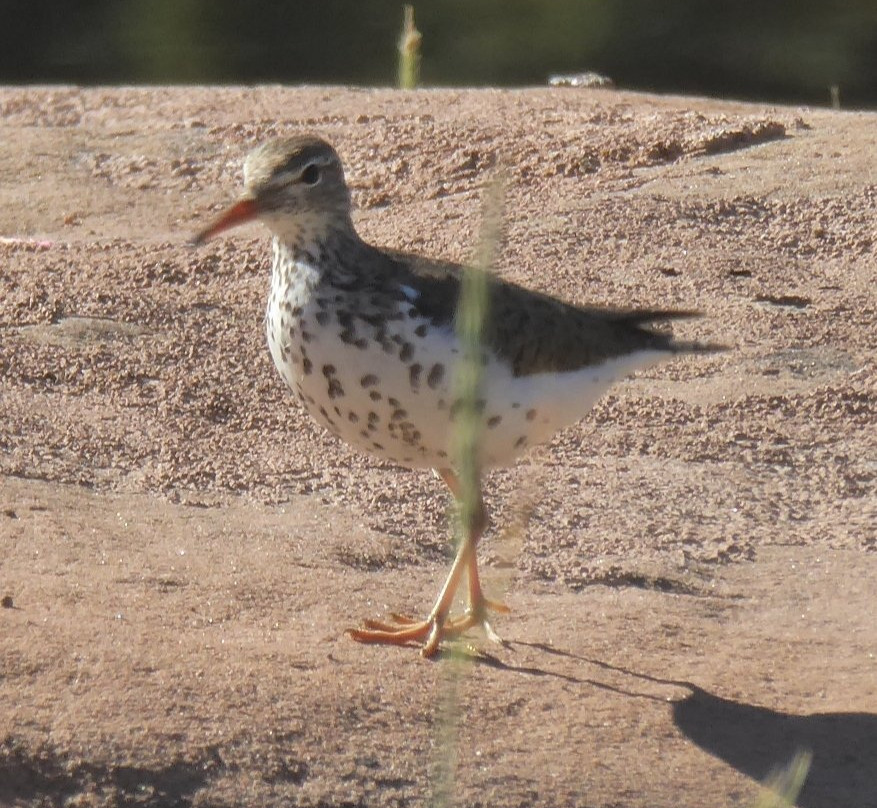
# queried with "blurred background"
point(790, 51)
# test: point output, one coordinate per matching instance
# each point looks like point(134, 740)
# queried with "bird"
point(366, 339)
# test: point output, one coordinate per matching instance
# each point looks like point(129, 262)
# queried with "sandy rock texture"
point(692, 569)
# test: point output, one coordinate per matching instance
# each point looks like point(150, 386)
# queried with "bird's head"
point(295, 186)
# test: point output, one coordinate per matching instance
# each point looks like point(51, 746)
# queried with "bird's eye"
point(311, 174)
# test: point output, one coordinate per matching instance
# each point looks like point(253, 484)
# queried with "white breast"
point(389, 390)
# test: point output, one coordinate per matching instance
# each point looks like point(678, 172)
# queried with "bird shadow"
point(752, 739)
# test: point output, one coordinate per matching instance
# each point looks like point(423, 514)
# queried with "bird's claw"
point(400, 629)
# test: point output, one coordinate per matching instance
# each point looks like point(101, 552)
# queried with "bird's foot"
point(400, 629)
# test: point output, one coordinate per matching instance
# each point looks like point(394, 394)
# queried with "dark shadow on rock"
point(488, 660)
point(757, 740)
point(42, 777)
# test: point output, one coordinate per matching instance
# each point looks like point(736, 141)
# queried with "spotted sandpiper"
point(365, 338)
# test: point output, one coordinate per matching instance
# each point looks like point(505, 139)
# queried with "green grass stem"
point(409, 51)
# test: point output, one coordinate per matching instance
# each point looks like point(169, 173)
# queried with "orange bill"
point(244, 211)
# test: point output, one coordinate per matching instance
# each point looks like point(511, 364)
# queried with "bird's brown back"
point(535, 333)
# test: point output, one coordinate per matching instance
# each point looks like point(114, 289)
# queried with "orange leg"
point(437, 626)
point(477, 604)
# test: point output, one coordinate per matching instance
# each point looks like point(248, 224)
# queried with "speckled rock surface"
point(693, 592)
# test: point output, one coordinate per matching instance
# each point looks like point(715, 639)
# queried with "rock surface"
point(693, 588)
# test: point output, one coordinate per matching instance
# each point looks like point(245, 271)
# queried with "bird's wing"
point(534, 332)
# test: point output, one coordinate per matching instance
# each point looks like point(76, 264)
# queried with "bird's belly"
point(384, 398)
point(540, 405)
point(394, 397)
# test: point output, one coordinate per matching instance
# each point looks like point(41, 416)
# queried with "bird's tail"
point(643, 317)
point(693, 346)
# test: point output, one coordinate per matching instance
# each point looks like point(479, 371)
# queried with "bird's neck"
point(309, 232)
point(317, 252)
